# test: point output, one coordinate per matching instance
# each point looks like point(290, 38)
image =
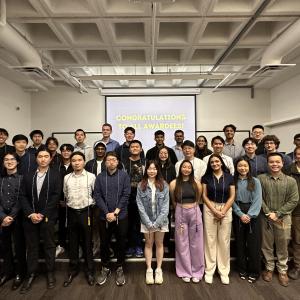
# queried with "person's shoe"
point(139, 252)
point(243, 275)
point(186, 279)
point(104, 274)
point(283, 279)
point(80, 252)
point(252, 279)
point(70, 278)
point(50, 280)
point(129, 252)
point(27, 285)
point(5, 278)
point(120, 277)
point(90, 279)
point(159, 276)
point(224, 279)
point(195, 279)
point(294, 273)
point(17, 282)
point(208, 279)
point(59, 250)
point(267, 275)
point(149, 276)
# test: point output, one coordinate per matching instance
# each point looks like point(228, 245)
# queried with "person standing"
point(78, 191)
point(11, 223)
point(280, 197)
point(80, 145)
point(231, 147)
point(4, 148)
point(37, 140)
point(294, 171)
point(111, 145)
point(185, 194)
point(40, 195)
point(257, 133)
point(218, 196)
point(112, 190)
point(153, 203)
point(297, 144)
point(246, 221)
point(179, 138)
point(201, 147)
point(52, 146)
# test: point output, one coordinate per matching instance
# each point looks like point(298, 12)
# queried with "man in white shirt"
point(217, 144)
point(188, 148)
point(179, 138)
point(87, 150)
point(78, 190)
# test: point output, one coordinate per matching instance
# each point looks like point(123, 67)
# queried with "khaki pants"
point(274, 233)
point(217, 241)
point(296, 240)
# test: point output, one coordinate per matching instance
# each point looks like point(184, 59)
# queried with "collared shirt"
point(178, 151)
point(10, 191)
point(78, 189)
point(279, 194)
point(199, 167)
point(111, 145)
point(87, 150)
point(227, 161)
point(233, 150)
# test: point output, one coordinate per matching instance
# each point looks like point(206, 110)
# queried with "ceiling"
point(131, 37)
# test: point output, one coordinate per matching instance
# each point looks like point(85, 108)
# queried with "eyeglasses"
point(9, 159)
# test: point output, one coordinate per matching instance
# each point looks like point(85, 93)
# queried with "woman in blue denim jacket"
point(153, 203)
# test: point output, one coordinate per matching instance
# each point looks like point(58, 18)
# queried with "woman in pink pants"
point(185, 194)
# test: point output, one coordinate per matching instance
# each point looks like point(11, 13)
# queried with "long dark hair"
point(168, 161)
point(250, 180)
point(210, 171)
point(159, 180)
point(179, 182)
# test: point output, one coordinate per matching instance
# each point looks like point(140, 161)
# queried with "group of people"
point(110, 189)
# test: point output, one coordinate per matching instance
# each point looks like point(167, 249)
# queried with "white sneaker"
point(224, 279)
point(149, 276)
point(195, 279)
point(59, 250)
point(208, 279)
point(159, 276)
point(186, 279)
point(80, 252)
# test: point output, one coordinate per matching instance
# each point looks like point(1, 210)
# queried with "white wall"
point(64, 109)
point(285, 104)
point(15, 108)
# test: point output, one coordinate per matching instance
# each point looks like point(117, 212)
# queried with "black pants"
point(14, 234)
point(79, 228)
point(33, 233)
point(248, 245)
point(134, 226)
point(62, 229)
point(106, 231)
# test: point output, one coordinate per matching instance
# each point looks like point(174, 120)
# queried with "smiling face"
point(3, 138)
point(37, 139)
point(52, 146)
point(201, 142)
point(229, 133)
point(250, 148)
point(163, 154)
point(270, 146)
point(186, 169)
point(275, 163)
point(66, 153)
point(188, 152)
point(106, 131)
point(215, 163)
point(243, 168)
point(159, 139)
point(10, 163)
point(257, 134)
point(152, 171)
point(129, 136)
point(218, 146)
point(179, 137)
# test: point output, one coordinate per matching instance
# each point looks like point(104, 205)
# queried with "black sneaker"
point(120, 277)
point(104, 274)
point(243, 275)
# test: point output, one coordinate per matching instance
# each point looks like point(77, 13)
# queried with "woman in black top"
point(201, 147)
point(185, 195)
point(218, 196)
point(166, 167)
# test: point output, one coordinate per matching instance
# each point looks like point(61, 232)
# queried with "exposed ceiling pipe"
point(285, 43)
point(239, 36)
point(11, 40)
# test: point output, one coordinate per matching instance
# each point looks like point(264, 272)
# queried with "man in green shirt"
point(280, 197)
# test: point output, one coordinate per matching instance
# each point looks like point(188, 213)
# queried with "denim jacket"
point(143, 200)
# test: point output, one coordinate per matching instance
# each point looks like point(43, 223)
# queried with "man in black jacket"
point(152, 154)
point(40, 194)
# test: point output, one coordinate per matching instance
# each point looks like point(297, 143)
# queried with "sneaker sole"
point(120, 283)
point(101, 283)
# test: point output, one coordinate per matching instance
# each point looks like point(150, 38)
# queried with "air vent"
point(269, 70)
point(33, 72)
